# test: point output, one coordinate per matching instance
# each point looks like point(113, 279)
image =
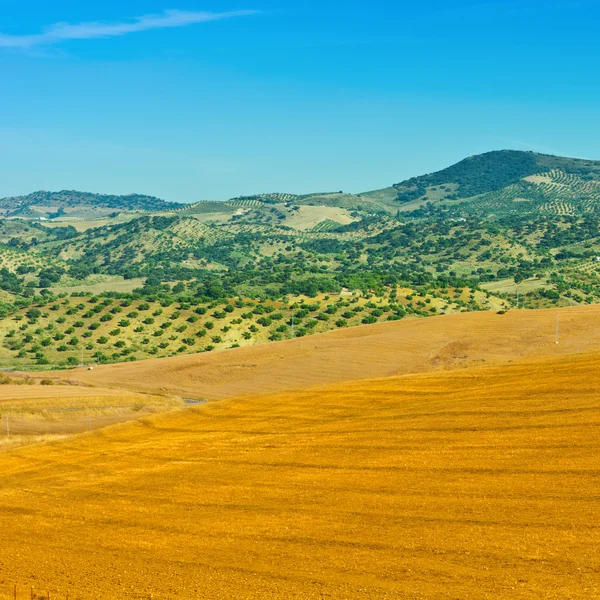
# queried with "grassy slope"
point(471, 484)
point(382, 350)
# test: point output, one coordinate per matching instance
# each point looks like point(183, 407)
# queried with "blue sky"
point(196, 100)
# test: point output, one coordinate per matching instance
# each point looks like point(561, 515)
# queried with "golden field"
point(473, 483)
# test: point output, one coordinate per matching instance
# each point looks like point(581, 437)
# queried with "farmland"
point(381, 350)
point(462, 484)
point(85, 328)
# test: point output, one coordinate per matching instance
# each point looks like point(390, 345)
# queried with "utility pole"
point(557, 331)
point(517, 297)
point(292, 325)
point(7, 427)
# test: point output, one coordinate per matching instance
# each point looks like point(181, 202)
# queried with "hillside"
point(70, 203)
point(66, 331)
point(382, 350)
point(504, 182)
point(470, 484)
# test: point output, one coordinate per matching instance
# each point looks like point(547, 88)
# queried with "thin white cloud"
point(61, 32)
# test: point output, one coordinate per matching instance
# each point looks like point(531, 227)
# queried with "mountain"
point(78, 204)
point(502, 182)
point(497, 183)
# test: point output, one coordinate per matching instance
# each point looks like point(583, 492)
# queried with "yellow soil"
point(308, 217)
point(382, 350)
point(481, 483)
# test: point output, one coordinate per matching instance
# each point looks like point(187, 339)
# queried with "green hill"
point(465, 238)
point(69, 203)
point(500, 183)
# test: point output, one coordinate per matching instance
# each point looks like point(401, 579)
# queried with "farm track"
point(476, 483)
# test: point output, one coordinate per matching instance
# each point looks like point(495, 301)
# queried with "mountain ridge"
point(514, 175)
point(42, 203)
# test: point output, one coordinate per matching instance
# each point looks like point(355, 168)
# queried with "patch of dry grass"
point(33, 413)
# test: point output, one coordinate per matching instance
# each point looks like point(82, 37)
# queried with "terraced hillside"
point(469, 484)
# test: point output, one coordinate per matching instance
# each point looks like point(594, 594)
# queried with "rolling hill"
point(386, 349)
point(495, 230)
point(465, 484)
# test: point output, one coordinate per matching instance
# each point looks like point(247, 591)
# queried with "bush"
point(47, 382)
